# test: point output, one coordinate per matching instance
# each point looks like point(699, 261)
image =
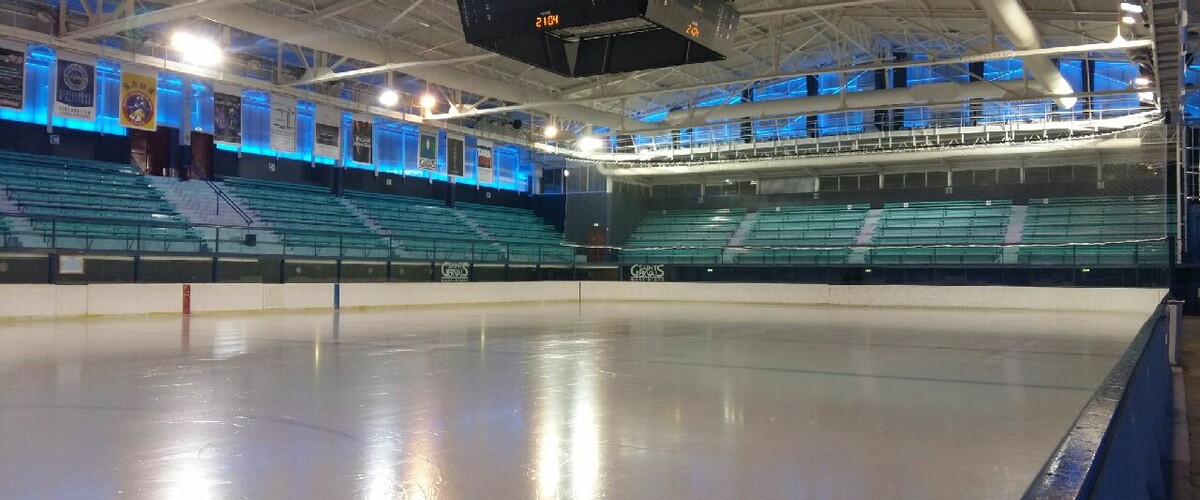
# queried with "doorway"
point(152, 151)
point(597, 237)
point(202, 157)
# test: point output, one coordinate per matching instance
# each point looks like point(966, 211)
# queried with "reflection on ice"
point(547, 402)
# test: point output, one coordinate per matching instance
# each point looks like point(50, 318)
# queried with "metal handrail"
point(221, 195)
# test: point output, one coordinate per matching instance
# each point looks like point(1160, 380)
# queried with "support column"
point(975, 108)
point(883, 119)
point(1089, 85)
point(899, 81)
point(812, 88)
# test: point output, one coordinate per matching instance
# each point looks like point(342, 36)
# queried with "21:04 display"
point(546, 21)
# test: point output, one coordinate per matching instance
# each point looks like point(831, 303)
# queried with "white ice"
point(619, 401)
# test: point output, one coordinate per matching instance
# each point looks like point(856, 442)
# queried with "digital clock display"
point(546, 21)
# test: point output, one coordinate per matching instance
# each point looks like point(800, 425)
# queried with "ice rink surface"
point(619, 401)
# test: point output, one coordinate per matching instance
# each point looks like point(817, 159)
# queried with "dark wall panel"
point(31, 138)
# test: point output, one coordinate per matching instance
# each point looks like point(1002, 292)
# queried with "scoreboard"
point(588, 37)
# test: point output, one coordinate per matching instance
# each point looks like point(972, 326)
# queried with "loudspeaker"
point(517, 124)
point(251, 240)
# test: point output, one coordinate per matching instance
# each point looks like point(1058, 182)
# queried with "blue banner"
point(75, 92)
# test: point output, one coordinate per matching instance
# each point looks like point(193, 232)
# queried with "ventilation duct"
point(948, 92)
point(1011, 18)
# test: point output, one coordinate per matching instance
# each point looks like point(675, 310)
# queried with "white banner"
point(485, 170)
point(283, 124)
point(328, 135)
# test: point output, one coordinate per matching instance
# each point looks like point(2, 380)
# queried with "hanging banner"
point(227, 118)
point(364, 141)
point(484, 172)
point(456, 155)
point(428, 151)
point(283, 124)
point(139, 101)
point(327, 137)
point(12, 79)
point(75, 91)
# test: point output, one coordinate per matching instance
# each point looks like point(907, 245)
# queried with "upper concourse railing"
point(917, 127)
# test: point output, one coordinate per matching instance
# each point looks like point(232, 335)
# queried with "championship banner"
point(428, 151)
point(484, 172)
point(12, 79)
point(327, 137)
point(75, 91)
point(227, 118)
point(139, 101)
point(456, 155)
point(364, 141)
point(283, 124)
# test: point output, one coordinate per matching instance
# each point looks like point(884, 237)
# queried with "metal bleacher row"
point(52, 202)
point(90, 205)
point(1063, 231)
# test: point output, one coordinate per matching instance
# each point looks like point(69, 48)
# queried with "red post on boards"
point(187, 299)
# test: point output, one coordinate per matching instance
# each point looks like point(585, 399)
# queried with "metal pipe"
point(1011, 18)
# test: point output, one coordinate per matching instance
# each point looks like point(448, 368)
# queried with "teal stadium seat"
point(423, 229)
point(92, 205)
point(946, 233)
point(1096, 231)
point(779, 234)
point(682, 236)
point(310, 220)
point(525, 236)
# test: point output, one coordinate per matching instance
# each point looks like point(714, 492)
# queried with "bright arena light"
point(389, 98)
point(428, 101)
point(550, 132)
point(197, 50)
point(1141, 81)
point(589, 144)
point(1128, 20)
point(1146, 96)
point(1129, 7)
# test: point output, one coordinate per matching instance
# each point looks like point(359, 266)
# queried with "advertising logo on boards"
point(456, 272)
point(655, 273)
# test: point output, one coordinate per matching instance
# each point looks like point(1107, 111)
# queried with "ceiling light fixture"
point(389, 98)
point(550, 132)
point(1130, 7)
point(589, 144)
point(197, 50)
point(428, 101)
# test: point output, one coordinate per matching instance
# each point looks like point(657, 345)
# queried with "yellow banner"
point(139, 101)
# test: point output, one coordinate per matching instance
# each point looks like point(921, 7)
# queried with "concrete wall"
point(50, 301)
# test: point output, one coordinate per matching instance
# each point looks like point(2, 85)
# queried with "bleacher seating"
point(1095, 220)
point(309, 220)
point(929, 224)
point(803, 226)
point(680, 236)
point(92, 205)
point(524, 235)
point(424, 229)
point(6, 237)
